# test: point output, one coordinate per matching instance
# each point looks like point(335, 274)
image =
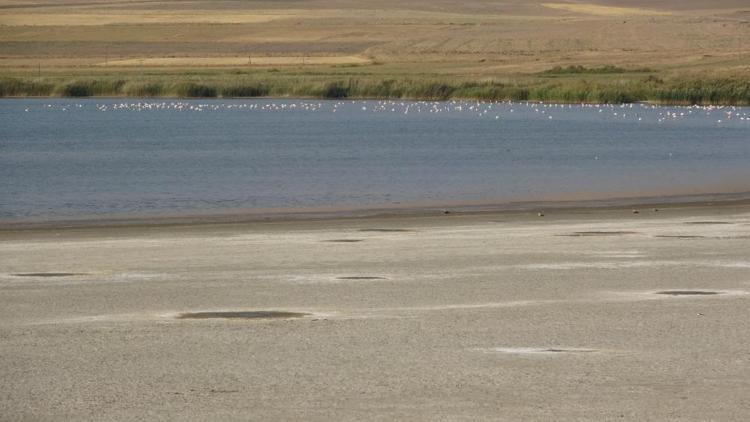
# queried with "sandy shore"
point(578, 315)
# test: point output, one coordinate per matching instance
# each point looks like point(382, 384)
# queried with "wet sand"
point(581, 314)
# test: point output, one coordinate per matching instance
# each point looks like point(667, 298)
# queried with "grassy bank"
point(572, 87)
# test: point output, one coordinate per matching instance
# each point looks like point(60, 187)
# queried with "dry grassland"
point(236, 61)
point(594, 9)
point(99, 19)
point(478, 40)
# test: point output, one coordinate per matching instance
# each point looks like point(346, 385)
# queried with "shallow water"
point(100, 157)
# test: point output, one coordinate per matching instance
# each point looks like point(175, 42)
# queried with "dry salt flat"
point(578, 315)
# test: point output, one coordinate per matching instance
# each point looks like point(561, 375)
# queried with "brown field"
point(476, 39)
point(595, 9)
point(235, 61)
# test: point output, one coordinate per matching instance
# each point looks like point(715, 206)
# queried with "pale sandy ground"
point(452, 331)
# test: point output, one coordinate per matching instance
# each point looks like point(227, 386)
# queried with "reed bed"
point(723, 91)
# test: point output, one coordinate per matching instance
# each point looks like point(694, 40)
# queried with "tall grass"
point(336, 90)
point(727, 91)
point(195, 90)
point(610, 89)
point(245, 90)
point(13, 87)
point(424, 89)
point(143, 89)
point(588, 92)
point(90, 88)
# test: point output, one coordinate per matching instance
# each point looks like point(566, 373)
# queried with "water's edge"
point(558, 101)
point(235, 216)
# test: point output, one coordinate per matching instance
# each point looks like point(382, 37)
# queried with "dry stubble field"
point(476, 40)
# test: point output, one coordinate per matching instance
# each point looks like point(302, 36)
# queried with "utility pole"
point(39, 71)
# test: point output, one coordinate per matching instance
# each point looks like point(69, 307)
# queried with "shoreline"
point(650, 102)
point(634, 205)
point(654, 102)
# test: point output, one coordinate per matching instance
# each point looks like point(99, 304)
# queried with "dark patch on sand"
point(47, 274)
point(598, 233)
point(540, 351)
point(687, 293)
point(361, 278)
point(707, 222)
point(344, 240)
point(679, 236)
point(385, 230)
point(242, 315)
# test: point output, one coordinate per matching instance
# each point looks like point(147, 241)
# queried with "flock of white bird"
point(481, 109)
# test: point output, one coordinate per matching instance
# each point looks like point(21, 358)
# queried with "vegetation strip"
point(722, 91)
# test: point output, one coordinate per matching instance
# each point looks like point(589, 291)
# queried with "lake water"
point(62, 158)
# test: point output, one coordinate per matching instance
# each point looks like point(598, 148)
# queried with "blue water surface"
point(86, 157)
